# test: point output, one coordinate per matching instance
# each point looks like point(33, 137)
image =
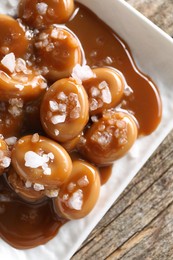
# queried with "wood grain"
point(140, 223)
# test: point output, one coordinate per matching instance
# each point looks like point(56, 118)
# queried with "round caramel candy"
point(110, 138)
point(64, 110)
point(5, 159)
point(58, 50)
point(20, 81)
point(23, 188)
point(41, 161)
point(39, 14)
point(105, 90)
point(79, 194)
point(12, 38)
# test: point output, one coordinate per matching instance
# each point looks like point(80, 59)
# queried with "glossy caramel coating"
point(71, 144)
point(21, 188)
point(110, 138)
point(64, 110)
point(5, 155)
point(12, 38)
point(41, 161)
point(39, 14)
point(105, 90)
point(79, 193)
point(23, 82)
point(11, 118)
point(58, 50)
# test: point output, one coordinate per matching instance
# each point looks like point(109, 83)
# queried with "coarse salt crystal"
point(45, 42)
point(94, 119)
point(75, 113)
point(62, 107)
point(38, 44)
point(83, 182)
point(104, 139)
point(53, 105)
point(19, 86)
point(11, 140)
point(21, 65)
point(41, 8)
point(43, 36)
point(38, 187)
point(106, 95)
point(35, 138)
point(58, 119)
point(95, 92)
point(16, 102)
point(54, 33)
point(121, 124)
point(76, 200)
point(65, 197)
point(28, 184)
point(83, 140)
point(52, 193)
point(101, 127)
point(71, 186)
point(62, 96)
point(108, 60)
point(51, 156)
point(43, 85)
point(103, 84)
point(46, 170)
point(122, 141)
point(5, 162)
point(128, 91)
point(33, 160)
point(93, 104)
point(50, 47)
point(15, 111)
point(56, 132)
point(81, 73)
point(29, 34)
point(9, 61)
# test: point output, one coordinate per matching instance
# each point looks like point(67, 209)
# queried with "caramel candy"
point(20, 80)
point(22, 188)
point(105, 90)
point(64, 110)
point(58, 50)
point(5, 159)
point(41, 161)
point(79, 194)
point(39, 14)
point(110, 138)
point(12, 37)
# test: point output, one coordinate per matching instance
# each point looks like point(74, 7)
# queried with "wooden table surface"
point(140, 223)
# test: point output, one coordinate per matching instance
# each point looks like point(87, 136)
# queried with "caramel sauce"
point(103, 47)
point(105, 174)
point(25, 225)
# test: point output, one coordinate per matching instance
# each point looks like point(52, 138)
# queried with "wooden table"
point(140, 223)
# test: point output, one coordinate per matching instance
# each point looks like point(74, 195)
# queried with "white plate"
point(152, 50)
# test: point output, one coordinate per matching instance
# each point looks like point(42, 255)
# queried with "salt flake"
point(76, 200)
point(9, 61)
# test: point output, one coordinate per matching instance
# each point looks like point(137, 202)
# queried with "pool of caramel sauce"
point(25, 225)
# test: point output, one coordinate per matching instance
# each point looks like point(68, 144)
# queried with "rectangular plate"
point(151, 49)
